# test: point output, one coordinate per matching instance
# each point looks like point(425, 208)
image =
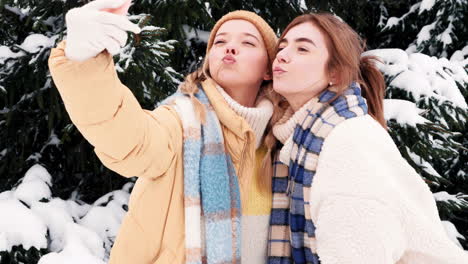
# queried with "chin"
point(228, 79)
point(280, 88)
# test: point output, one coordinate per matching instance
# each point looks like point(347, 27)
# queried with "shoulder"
point(172, 113)
point(182, 107)
point(358, 136)
point(358, 158)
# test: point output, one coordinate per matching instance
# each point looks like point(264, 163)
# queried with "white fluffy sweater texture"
point(370, 206)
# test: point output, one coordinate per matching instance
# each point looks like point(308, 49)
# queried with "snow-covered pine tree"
point(26, 101)
point(37, 227)
point(433, 27)
point(427, 115)
point(439, 149)
point(34, 126)
point(34, 122)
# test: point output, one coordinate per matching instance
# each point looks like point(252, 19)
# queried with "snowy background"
point(51, 210)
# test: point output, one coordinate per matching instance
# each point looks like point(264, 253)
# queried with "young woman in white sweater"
point(343, 194)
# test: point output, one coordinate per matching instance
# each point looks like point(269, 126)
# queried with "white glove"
point(90, 30)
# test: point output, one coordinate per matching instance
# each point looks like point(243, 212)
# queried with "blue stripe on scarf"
point(312, 142)
point(212, 184)
point(279, 260)
point(192, 184)
point(279, 216)
point(297, 223)
point(280, 185)
point(303, 256)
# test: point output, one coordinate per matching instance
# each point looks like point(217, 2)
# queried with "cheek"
point(255, 61)
point(309, 70)
point(213, 60)
point(320, 66)
point(300, 74)
point(304, 67)
point(256, 58)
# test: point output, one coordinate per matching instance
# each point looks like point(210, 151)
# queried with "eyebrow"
point(299, 40)
point(245, 33)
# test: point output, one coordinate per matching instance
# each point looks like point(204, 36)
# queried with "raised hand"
point(91, 29)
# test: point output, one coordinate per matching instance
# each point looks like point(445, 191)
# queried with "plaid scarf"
point(211, 191)
point(292, 232)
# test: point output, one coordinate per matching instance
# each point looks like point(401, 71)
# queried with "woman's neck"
point(296, 101)
point(245, 96)
point(284, 128)
point(257, 117)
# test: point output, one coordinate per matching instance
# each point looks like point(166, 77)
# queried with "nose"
point(230, 49)
point(282, 57)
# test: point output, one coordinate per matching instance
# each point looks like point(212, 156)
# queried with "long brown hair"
point(345, 47)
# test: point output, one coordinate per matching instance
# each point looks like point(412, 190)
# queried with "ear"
point(267, 76)
point(334, 77)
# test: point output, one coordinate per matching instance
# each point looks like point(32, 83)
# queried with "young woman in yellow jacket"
point(209, 133)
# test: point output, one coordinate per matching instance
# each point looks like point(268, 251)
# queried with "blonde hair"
point(190, 88)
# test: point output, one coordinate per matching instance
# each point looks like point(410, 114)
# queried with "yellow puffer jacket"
point(136, 142)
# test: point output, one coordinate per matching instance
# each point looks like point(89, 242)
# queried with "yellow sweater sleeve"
point(127, 139)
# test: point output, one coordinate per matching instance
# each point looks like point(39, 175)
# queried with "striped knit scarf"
point(292, 232)
point(211, 191)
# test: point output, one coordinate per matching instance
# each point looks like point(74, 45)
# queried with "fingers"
point(101, 4)
point(117, 20)
point(71, 15)
point(119, 35)
point(112, 45)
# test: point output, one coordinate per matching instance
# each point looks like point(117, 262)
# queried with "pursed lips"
point(278, 70)
point(228, 59)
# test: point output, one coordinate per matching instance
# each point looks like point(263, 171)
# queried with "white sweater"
point(370, 206)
